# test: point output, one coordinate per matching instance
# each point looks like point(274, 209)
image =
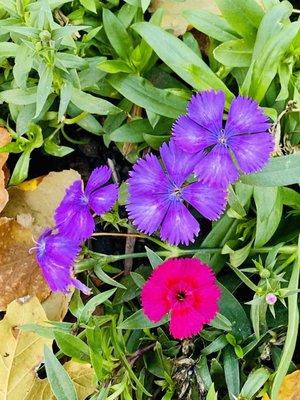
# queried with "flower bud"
point(264, 273)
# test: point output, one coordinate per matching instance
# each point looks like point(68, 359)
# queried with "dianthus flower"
point(55, 255)
point(243, 144)
point(157, 196)
point(73, 216)
point(185, 288)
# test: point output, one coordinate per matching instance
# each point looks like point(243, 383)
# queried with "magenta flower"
point(56, 255)
point(73, 216)
point(242, 145)
point(158, 196)
point(185, 288)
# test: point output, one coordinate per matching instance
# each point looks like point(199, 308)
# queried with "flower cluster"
point(185, 288)
point(202, 159)
point(58, 248)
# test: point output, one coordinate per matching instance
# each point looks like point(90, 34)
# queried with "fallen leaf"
point(39, 198)
point(56, 305)
point(173, 19)
point(290, 388)
point(5, 138)
point(21, 352)
point(19, 273)
point(30, 208)
point(82, 375)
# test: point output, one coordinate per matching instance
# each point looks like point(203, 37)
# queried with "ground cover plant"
point(149, 228)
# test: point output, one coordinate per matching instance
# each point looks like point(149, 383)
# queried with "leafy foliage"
point(111, 69)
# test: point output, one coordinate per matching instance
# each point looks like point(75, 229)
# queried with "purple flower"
point(158, 196)
point(73, 216)
point(55, 255)
point(243, 144)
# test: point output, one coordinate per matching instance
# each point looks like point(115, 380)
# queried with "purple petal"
point(245, 116)
point(190, 136)
point(178, 163)
point(72, 217)
point(80, 286)
point(98, 178)
point(207, 108)
point(179, 226)
point(253, 151)
point(217, 168)
point(209, 201)
point(103, 199)
point(56, 255)
point(147, 176)
point(147, 211)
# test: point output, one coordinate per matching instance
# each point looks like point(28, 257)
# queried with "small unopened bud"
point(265, 273)
point(271, 298)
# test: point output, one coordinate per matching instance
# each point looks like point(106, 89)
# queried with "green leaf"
point(212, 394)
point(138, 320)
point(211, 24)
point(115, 66)
point(234, 312)
point(234, 53)
point(65, 98)
point(60, 382)
point(180, 58)
point(54, 149)
point(154, 259)
point(23, 64)
point(72, 346)
point(269, 210)
point(89, 5)
point(44, 87)
point(20, 97)
point(264, 68)
point(106, 278)
point(237, 257)
point(117, 35)
point(91, 104)
point(145, 4)
point(131, 132)
point(254, 382)
point(8, 49)
point(280, 171)
point(243, 15)
point(221, 322)
point(292, 329)
point(95, 301)
point(141, 92)
point(216, 345)
point(70, 61)
point(10, 7)
point(20, 172)
point(232, 372)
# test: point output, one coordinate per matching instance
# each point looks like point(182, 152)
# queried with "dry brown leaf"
point(290, 388)
point(56, 305)
point(19, 274)
point(5, 138)
point(173, 19)
point(32, 205)
point(82, 375)
point(20, 352)
point(39, 198)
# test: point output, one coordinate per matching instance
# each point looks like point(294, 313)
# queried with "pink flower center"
point(180, 296)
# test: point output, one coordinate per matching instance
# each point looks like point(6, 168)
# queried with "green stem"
point(176, 252)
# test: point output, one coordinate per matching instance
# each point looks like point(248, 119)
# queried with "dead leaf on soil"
point(39, 198)
point(173, 19)
point(31, 207)
point(19, 274)
point(5, 138)
point(21, 352)
point(82, 375)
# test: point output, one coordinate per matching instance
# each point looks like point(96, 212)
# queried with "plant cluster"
point(110, 69)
